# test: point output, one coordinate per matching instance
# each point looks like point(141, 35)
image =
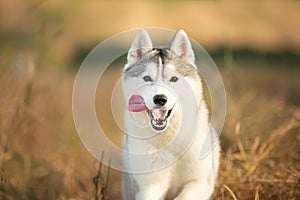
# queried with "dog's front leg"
point(153, 192)
point(195, 190)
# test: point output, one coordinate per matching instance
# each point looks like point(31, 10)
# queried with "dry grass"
point(41, 156)
point(258, 172)
point(101, 184)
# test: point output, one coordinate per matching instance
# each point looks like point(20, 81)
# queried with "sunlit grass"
point(42, 157)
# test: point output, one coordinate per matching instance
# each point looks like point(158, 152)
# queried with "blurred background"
point(255, 44)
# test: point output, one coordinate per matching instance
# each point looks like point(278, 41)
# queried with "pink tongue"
point(136, 104)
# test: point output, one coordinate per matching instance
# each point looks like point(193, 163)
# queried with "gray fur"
point(137, 68)
point(182, 66)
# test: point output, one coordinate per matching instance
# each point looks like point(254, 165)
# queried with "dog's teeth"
point(159, 117)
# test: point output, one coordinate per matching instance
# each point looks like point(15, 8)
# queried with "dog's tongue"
point(136, 104)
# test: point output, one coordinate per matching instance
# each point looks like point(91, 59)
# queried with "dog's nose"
point(160, 100)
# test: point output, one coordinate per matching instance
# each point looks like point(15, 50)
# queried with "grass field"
point(43, 158)
point(255, 44)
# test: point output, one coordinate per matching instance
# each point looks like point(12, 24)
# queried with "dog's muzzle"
point(158, 116)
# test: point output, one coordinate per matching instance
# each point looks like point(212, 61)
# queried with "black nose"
point(160, 99)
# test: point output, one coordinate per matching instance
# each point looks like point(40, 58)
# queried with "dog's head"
point(152, 77)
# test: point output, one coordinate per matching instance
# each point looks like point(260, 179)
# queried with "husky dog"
point(152, 83)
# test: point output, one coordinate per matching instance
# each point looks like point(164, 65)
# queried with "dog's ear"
point(181, 46)
point(141, 44)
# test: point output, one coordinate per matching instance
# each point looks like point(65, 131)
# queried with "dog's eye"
point(174, 79)
point(147, 78)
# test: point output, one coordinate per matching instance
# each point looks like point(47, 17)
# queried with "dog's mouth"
point(159, 118)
